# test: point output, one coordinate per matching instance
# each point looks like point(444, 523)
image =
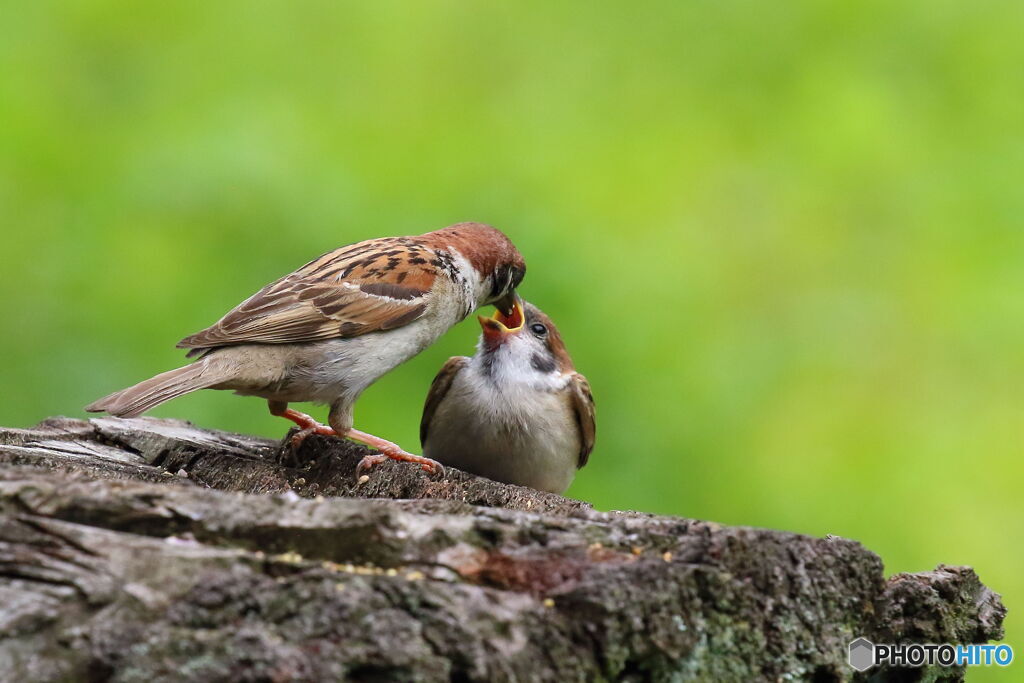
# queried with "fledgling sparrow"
point(327, 331)
point(517, 411)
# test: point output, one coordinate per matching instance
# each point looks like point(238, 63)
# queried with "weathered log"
point(150, 550)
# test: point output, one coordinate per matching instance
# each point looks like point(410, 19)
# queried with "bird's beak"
point(507, 303)
point(498, 328)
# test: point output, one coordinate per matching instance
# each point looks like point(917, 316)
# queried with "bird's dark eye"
point(538, 329)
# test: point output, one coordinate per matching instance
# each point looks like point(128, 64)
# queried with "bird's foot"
point(288, 456)
point(426, 464)
point(307, 426)
point(389, 451)
point(304, 434)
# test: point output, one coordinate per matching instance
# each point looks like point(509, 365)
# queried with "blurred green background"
point(783, 241)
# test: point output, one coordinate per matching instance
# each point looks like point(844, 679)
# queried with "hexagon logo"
point(862, 654)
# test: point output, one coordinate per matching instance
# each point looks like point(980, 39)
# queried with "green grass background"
point(783, 241)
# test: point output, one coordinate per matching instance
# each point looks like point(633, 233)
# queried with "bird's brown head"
point(497, 261)
point(525, 337)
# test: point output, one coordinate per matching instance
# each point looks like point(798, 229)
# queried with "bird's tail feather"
point(137, 399)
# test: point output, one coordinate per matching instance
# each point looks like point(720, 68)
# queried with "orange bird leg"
point(307, 425)
point(389, 450)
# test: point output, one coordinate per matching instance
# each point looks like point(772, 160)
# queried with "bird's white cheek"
point(472, 288)
point(513, 369)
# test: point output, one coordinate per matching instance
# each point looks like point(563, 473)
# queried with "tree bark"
point(152, 550)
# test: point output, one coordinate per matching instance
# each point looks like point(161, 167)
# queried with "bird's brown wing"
point(583, 405)
point(375, 285)
point(438, 390)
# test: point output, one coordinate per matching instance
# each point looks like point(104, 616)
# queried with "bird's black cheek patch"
point(542, 363)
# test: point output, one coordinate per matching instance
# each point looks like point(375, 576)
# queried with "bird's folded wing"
point(583, 405)
point(438, 390)
point(362, 288)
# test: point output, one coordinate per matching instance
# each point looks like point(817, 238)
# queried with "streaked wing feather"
point(366, 287)
point(583, 405)
point(438, 390)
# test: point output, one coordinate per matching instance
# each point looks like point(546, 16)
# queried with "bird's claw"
point(311, 428)
point(369, 461)
point(426, 464)
point(301, 436)
point(431, 466)
point(289, 455)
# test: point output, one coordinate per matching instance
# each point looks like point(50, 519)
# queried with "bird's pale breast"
point(517, 435)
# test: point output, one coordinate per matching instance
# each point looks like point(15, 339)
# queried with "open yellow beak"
point(500, 325)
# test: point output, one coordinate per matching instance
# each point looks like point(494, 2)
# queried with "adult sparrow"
point(517, 411)
point(327, 331)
